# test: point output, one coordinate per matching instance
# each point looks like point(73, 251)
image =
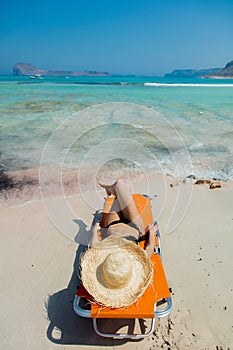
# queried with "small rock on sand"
point(214, 185)
point(203, 182)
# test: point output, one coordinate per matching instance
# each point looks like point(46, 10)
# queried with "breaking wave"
point(186, 85)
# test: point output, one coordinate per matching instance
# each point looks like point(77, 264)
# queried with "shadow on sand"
point(66, 327)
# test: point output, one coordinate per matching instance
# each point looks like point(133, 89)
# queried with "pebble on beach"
point(190, 179)
point(203, 182)
point(214, 185)
point(174, 184)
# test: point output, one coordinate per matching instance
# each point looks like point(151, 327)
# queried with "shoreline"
point(23, 186)
point(218, 77)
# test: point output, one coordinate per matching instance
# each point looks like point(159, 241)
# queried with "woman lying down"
point(116, 271)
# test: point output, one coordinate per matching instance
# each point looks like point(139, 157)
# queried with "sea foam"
point(186, 85)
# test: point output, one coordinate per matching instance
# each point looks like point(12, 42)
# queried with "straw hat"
point(116, 272)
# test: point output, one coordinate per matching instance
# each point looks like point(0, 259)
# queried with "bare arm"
point(95, 234)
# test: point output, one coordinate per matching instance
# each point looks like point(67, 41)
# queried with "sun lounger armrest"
point(164, 312)
point(79, 310)
point(158, 248)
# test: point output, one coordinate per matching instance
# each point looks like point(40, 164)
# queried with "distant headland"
point(212, 73)
point(30, 70)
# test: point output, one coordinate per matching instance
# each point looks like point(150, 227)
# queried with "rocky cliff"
point(29, 69)
point(191, 73)
point(226, 72)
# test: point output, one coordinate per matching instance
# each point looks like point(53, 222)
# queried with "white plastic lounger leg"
point(79, 310)
point(124, 335)
point(164, 312)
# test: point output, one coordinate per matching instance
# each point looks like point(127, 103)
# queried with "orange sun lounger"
point(148, 306)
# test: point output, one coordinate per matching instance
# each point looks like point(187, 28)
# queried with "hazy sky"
point(120, 36)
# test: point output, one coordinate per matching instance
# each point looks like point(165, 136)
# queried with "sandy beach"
point(92, 92)
point(39, 250)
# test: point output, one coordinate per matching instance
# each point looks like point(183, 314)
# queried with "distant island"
point(30, 70)
point(217, 73)
point(211, 73)
point(226, 72)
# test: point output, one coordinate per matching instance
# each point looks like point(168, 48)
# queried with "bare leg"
point(126, 204)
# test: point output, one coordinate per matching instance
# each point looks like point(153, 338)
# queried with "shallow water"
point(52, 121)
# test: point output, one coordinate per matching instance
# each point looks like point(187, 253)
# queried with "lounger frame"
point(158, 313)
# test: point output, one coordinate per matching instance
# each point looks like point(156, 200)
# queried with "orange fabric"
point(144, 306)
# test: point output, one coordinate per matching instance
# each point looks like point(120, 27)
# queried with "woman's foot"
point(110, 189)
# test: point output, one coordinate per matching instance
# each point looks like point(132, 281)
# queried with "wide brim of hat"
point(141, 277)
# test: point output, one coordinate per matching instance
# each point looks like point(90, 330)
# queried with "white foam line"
point(187, 85)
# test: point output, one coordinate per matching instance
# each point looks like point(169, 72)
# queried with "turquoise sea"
point(137, 122)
